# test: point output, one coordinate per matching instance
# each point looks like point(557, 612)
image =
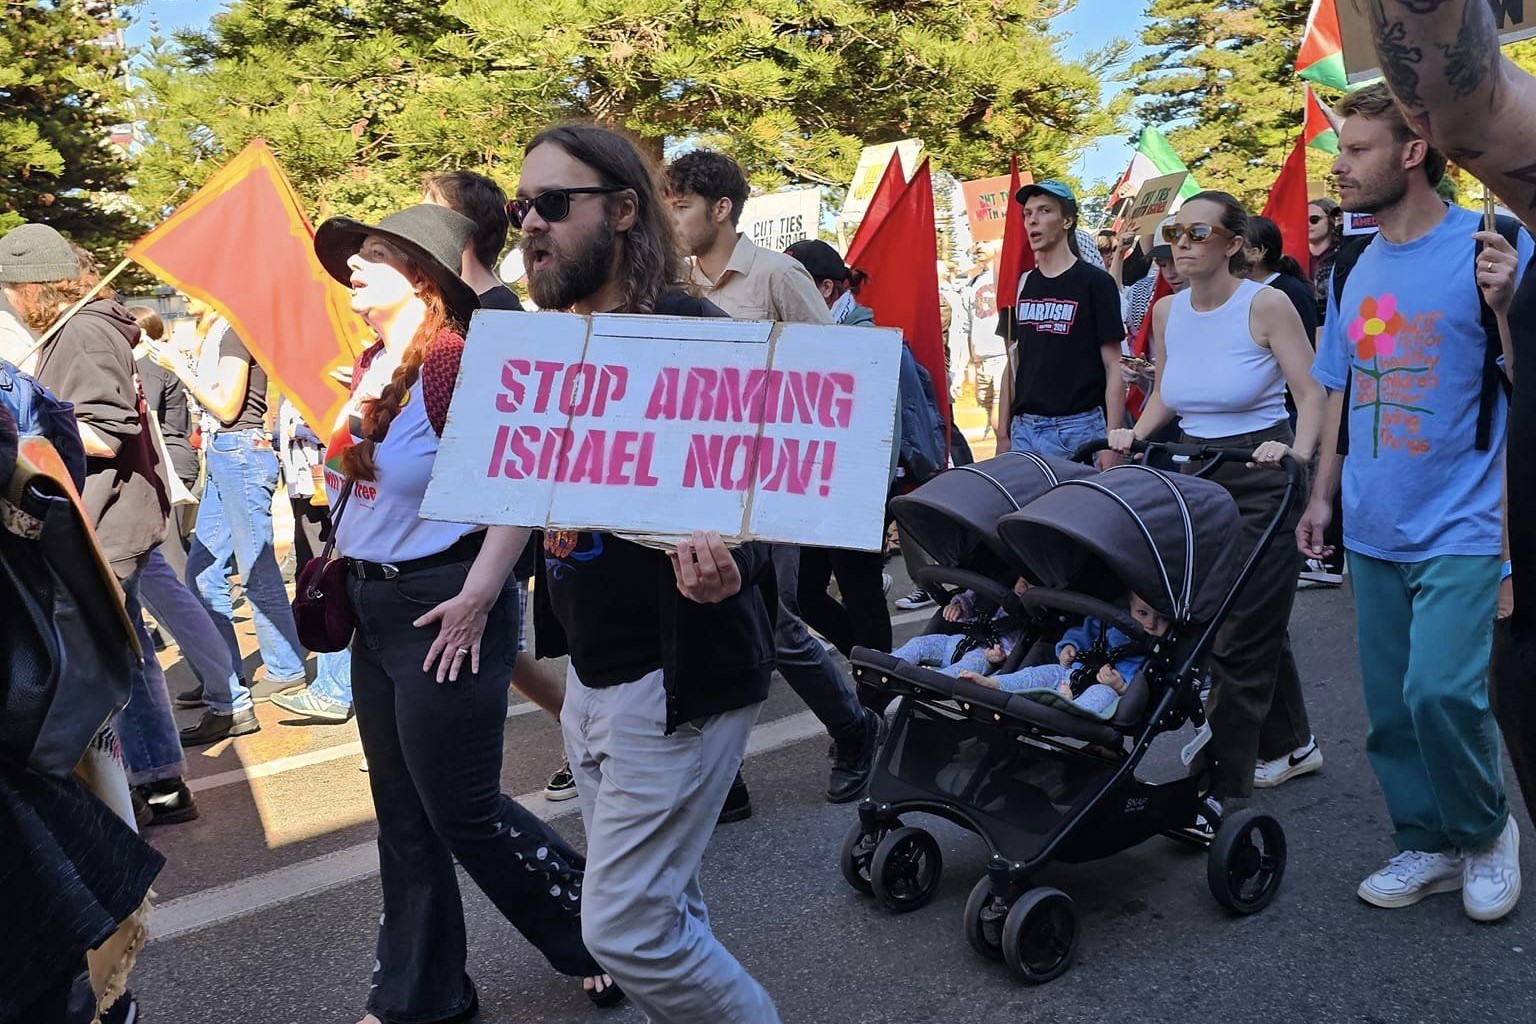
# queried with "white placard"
point(873, 161)
point(655, 427)
point(779, 219)
point(1157, 198)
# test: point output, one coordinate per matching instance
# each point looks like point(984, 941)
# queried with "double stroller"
point(1035, 780)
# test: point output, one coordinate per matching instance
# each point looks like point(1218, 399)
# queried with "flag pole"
point(71, 311)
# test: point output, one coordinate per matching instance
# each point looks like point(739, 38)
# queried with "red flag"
point(901, 259)
point(1016, 257)
point(891, 185)
point(1287, 205)
point(243, 245)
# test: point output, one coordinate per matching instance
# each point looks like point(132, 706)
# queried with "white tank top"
point(1215, 376)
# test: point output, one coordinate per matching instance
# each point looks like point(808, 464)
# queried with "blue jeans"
point(1056, 437)
point(146, 728)
point(179, 611)
point(333, 676)
point(234, 532)
point(937, 651)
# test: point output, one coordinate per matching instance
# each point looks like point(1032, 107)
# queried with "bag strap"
point(341, 506)
point(1494, 380)
point(1349, 254)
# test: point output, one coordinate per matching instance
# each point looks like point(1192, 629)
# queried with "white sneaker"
point(1491, 877)
point(1318, 574)
point(1411, 876)
point(1301, 761)
point(1193, 747)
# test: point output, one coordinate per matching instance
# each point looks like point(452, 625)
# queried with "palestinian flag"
point(1318, 129)
point(1321, 59)
point(1154, 157)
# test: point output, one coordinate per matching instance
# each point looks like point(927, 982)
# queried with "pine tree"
point(59, 97)
point(1221, 82)
point(361, 98)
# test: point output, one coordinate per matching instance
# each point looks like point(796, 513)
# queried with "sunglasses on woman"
point(1316, 218)
point(553, 205)
point(1198, 234)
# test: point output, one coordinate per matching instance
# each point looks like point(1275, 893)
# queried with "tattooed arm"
point(1441, 60)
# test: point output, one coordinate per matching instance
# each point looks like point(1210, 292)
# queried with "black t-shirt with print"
point(1061, 325)
point(253, 412)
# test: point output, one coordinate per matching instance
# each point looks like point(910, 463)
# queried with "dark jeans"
point(1512, 692)
point(803, 663)
point(862, 619)
point(434, 766)
point(1256, 709)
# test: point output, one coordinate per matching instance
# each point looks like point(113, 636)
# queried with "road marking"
point(921, 615)
point(249, 895)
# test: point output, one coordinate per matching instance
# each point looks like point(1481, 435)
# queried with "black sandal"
point(609, 997)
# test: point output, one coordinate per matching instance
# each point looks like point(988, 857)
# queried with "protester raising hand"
point(705, 568)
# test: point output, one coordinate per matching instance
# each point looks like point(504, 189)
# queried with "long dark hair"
point(1234, 218)
point(652, 262)
point(1264, 235)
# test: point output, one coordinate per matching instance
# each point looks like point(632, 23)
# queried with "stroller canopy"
point(956, 512)
point(1174, 539)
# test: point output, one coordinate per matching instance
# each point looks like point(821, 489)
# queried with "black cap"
point(820, 259)
point(433, 236)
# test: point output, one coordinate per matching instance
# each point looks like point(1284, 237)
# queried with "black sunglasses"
point(553, 205)
point(1316, 218)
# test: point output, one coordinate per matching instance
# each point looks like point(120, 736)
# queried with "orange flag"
point(1287, 205)
point(243, 245)
point(892, 182)
point(1016, 257)
point(901, 259)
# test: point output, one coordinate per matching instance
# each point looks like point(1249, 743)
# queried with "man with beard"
point(1406, 349)
point(705, 193)
point(671, 653)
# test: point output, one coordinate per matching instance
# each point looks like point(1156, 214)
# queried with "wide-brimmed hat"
point(433, 236)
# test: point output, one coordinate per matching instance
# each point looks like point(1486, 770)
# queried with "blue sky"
point(1086, 26)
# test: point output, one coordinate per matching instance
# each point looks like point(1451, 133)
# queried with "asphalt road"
point(272, 909)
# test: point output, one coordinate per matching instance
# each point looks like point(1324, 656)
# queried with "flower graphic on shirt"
point(1374, 331)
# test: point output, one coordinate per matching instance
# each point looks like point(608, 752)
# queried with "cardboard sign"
point(1157, 199)
point(778, 220)
point(986, 205)
point(872, 163)
point(653, 427)
point(1516, 20)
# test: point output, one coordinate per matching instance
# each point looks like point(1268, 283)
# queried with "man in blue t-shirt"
point(1405, 343)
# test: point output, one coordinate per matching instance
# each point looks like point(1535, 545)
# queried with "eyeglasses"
point(553, 205)
point(1316, 218)
point(1198, 234)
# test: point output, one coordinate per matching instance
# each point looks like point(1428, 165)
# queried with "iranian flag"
point(1154, 157)
point(1318, 129)
point(1321, 59)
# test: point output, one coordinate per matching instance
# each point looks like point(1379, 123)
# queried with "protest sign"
point(1157, 198)
point(986, 205)
point(654, 427)
point(1360, 224)
point(779, 219)
point(872, 163)
point(1516, 20)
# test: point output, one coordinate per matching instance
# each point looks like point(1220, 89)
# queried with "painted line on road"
point(222, 903)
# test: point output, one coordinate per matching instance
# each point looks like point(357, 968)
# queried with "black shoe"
point(192, 698)
point(738, 803)
point(158, 638)
point(855, 760)
point(142, 815)
point(214, 726)
point(124, 1011)
point(170, 802)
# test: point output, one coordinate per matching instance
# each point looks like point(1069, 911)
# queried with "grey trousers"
point(649, 802)
point(802, 661)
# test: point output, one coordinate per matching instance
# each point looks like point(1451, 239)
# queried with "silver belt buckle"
point(390, 571)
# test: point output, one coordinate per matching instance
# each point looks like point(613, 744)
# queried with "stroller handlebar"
point(1209, 455)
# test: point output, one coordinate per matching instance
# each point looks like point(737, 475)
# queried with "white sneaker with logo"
point(1268, 774)
point(1411, 876)
point(1491, 877)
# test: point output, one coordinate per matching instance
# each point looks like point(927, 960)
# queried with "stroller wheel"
point(1247, 862)
point(905, 869)
point(984, 917)
point(857, 852)
point(1040, 935)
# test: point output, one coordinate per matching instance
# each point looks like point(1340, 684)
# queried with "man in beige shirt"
point(707, 191)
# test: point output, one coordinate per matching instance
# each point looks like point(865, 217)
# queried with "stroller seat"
point(884, 672)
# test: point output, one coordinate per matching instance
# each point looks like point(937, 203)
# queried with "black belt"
point(462, 550)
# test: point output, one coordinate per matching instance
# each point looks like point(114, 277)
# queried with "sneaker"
point(885, 583)
point(1491, 877)
point(562, 784)
point(1317, 573)
point(919, 598)
point(263, 687)
point(1411, 876)
point(192, 698)
point(1192, 749)
point(851, 767)
point(738, 803)
point(1301, 761)
point(303, 700)
point(170, 802)
point(213, 727)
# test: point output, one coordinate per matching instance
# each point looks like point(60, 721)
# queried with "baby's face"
point(1149, 619)
point(1020, 585)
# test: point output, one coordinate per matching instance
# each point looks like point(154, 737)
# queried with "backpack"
point(1494, 380)
point(923, 432)
point(39, 414)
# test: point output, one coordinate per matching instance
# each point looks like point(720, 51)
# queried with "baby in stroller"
point(982, 647)
point(1095, 662)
